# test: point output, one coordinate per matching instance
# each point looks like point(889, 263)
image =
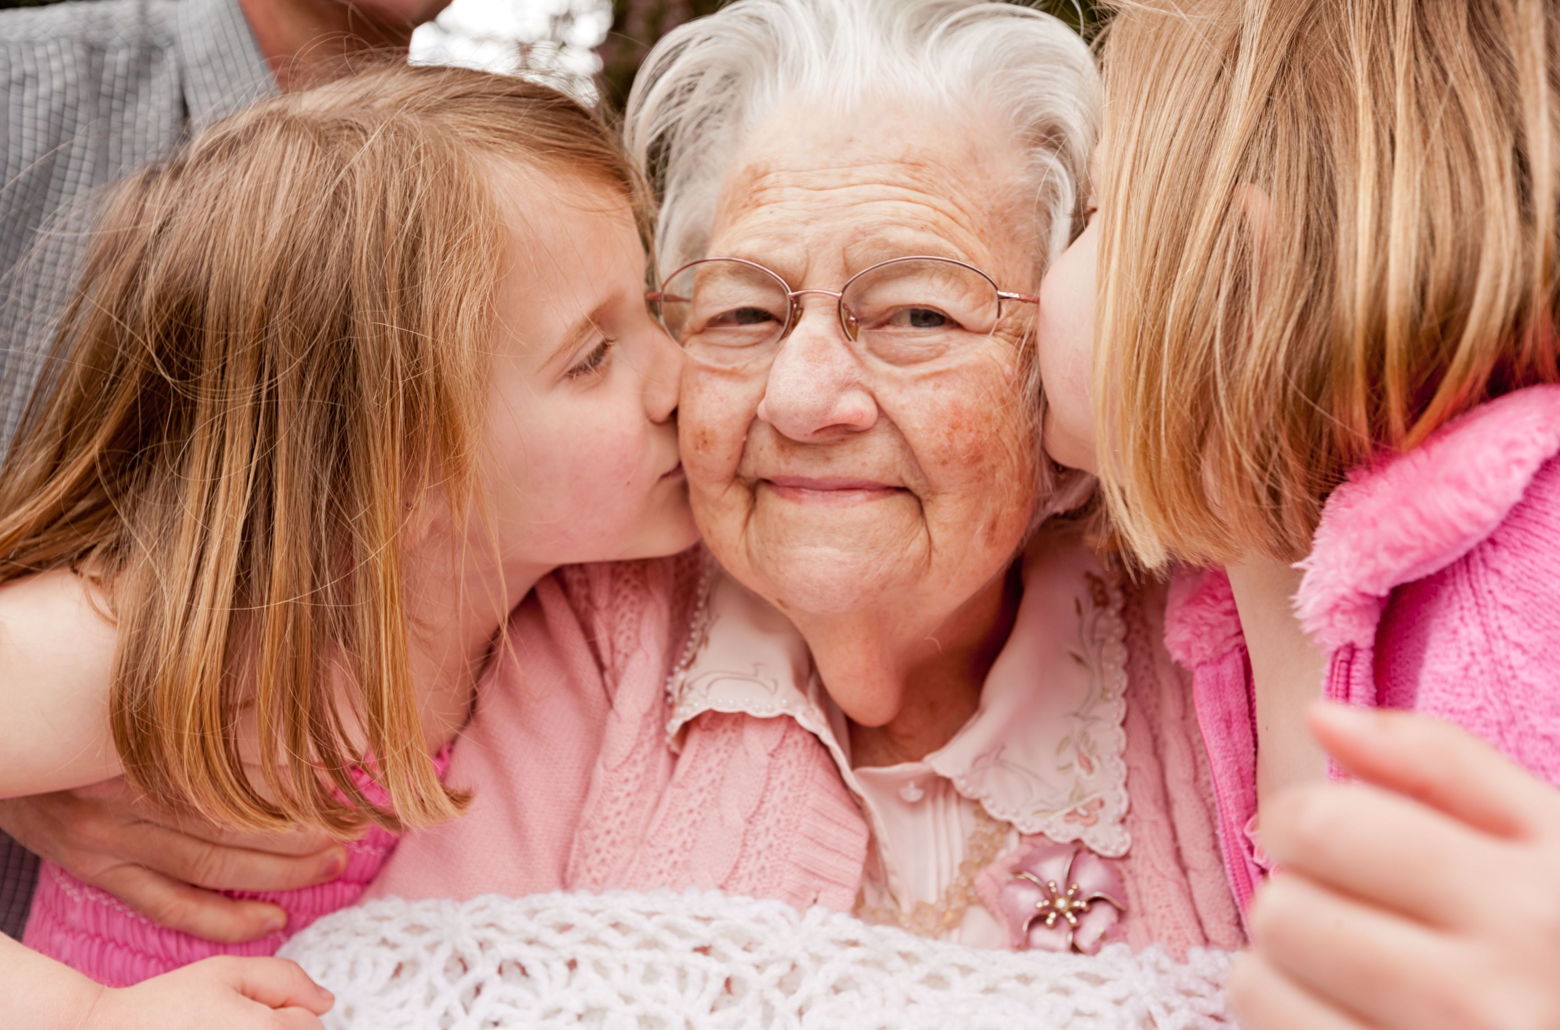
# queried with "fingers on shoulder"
point(1266, 999)
point(1436, 763)
point(203, 913)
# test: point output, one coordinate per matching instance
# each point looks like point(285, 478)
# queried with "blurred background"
point(590, 47)
point(588, 44)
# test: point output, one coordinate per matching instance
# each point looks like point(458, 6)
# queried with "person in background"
point(90, 91)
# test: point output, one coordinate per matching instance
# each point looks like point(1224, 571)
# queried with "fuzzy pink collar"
point(1411, 515)
point(1201, 623)
point(1397, 520)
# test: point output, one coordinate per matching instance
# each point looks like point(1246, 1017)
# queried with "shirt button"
point(911, 792)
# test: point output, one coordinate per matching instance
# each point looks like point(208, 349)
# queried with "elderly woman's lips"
point(828, 490)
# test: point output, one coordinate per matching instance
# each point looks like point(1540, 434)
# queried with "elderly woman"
point(897, 698)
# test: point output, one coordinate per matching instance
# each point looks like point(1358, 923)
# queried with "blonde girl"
point(1324, 368)
point(341, 382)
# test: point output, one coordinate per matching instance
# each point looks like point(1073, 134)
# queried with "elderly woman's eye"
point(737, 317)
point(918, 318)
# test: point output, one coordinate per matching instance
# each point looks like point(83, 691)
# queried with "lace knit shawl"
point(663, 959)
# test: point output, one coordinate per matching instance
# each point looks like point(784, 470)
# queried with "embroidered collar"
point(1044, 752)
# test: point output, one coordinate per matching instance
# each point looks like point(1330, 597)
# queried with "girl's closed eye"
point(594, 361)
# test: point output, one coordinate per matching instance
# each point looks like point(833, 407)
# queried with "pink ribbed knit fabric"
point(576, 788)
point(1433, 584)
point(94, 932)
point(1175, 877)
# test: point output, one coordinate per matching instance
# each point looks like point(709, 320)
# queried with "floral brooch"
point(1058, 897)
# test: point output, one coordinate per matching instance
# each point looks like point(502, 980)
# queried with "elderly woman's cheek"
point(714, 414)
point(714, 418)
point(697, 444)
point(976, 447)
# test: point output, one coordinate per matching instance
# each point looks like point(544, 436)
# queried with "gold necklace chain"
point(934, 919)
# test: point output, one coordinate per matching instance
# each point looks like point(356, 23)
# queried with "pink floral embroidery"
point(1060, 897)
point(1086, 814)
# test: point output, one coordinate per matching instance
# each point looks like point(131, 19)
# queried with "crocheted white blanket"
point(650, 961)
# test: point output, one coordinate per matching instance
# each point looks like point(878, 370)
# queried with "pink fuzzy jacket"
point(1433, 584)
point(576, 787)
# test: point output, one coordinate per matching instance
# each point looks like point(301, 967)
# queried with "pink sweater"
point(576, 786)
point(1433, 584)
point(94, 932)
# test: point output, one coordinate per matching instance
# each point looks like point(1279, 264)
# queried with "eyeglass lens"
point(729, 312)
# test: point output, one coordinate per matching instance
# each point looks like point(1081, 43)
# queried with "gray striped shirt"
point(90, 91)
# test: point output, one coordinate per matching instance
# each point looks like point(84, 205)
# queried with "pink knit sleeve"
point(549, 717)
point(1202, 633)
point(1179, 896)
point(526, 756)
point(1475, 642)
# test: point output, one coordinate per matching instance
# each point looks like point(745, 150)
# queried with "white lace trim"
point(698, 628)
point(707, 961)
point(1024, 791)
point(743, 657)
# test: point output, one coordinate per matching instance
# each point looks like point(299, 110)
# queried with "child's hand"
point(216, 994)
point(1425, 895)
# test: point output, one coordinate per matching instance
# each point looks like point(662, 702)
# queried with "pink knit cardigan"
point(1433, 584)
point(575, 786)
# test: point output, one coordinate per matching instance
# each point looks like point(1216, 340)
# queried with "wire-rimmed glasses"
point(731, 312)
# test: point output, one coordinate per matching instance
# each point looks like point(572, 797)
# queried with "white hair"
point(707, 83)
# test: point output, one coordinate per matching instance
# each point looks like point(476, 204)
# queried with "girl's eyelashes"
point(594, 361)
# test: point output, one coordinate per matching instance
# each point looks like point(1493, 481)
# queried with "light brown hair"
point(1329, 227)
point(275, 356)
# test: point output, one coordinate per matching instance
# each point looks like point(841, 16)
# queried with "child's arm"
point(37, 993)
point(56, 664)
point(171, 867)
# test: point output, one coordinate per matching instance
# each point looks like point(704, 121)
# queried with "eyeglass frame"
point(793, 304)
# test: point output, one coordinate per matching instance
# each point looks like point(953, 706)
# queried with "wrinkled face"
point(828, 482)
point(581, 453)
point(1066, 343)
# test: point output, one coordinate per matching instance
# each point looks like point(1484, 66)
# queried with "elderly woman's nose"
point(814, 387)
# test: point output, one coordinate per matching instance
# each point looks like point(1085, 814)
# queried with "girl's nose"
point(662, 376)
